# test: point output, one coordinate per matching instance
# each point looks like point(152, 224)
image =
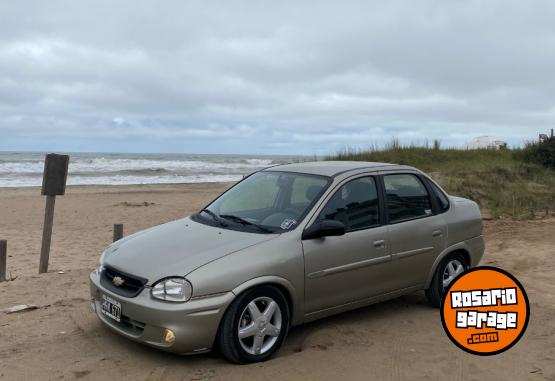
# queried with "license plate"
point(111, 308)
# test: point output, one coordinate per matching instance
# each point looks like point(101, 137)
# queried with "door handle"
point(380, 243)
point(437, 233)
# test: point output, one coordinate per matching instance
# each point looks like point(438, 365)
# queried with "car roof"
point(333, 168)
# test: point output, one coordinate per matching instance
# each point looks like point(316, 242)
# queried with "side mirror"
point(324, 228)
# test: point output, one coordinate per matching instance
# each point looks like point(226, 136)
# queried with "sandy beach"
point(397, 340)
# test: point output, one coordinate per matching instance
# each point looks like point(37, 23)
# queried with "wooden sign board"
point(55, 175)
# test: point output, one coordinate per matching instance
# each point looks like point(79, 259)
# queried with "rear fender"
point(474, 247)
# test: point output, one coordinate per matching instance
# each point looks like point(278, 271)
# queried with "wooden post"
point(47, 233)
point(53, 184)
point(3, 256)
point(118, 232)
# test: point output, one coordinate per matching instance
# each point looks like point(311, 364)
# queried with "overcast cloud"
point(272, 76)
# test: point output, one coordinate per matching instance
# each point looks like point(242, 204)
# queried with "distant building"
point(546, 137)
point(486, 142)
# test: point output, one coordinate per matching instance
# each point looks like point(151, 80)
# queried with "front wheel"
point(254, 325)
point(449, 268)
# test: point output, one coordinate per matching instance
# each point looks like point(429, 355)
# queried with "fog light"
point(168, 336)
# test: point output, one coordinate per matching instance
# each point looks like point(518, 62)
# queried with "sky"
point(272, 77)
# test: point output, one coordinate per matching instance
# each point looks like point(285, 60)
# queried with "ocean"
point(24, 169)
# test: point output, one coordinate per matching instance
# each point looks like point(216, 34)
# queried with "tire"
point(261, 337)
point(437, 287)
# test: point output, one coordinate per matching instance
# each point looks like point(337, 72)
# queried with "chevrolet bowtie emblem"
point(117, 281)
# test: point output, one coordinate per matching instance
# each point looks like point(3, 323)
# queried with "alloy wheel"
point(259, 325)
point(453, 268)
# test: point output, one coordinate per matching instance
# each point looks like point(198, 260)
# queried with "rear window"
point(441, 198)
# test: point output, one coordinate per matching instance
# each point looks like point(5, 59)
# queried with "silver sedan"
point(286, 245)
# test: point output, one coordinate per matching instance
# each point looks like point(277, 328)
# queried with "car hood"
point(176, 248)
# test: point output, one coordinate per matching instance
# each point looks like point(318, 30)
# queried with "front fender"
point(295, 307)
point(279, 261)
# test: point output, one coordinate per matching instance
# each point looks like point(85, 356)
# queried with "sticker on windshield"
point(288, 223)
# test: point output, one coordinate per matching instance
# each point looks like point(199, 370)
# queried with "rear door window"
point(407, 197)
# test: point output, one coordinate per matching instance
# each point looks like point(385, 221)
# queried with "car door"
point(416, 234)
point(353, 266)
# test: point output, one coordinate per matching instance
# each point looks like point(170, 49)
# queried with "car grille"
point(131, 287)
point(135, 326)
point(130, 326)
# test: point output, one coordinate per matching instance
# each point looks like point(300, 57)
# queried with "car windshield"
point(266, 202)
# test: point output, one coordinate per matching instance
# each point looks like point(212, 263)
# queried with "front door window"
point(355, 204)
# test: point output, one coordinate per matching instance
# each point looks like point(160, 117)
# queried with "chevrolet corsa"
point(286, 245)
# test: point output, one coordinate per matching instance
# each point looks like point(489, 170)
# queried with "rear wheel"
point(254, 325)
point(449, 268)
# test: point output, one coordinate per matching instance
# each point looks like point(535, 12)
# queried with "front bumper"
point(143, 318)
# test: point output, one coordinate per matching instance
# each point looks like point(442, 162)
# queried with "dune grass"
point(499, 180)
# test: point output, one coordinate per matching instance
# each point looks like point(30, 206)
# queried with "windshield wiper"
point(214, 216)
point(245, 222)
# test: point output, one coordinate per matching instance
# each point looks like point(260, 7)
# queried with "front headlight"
point(172, 290)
